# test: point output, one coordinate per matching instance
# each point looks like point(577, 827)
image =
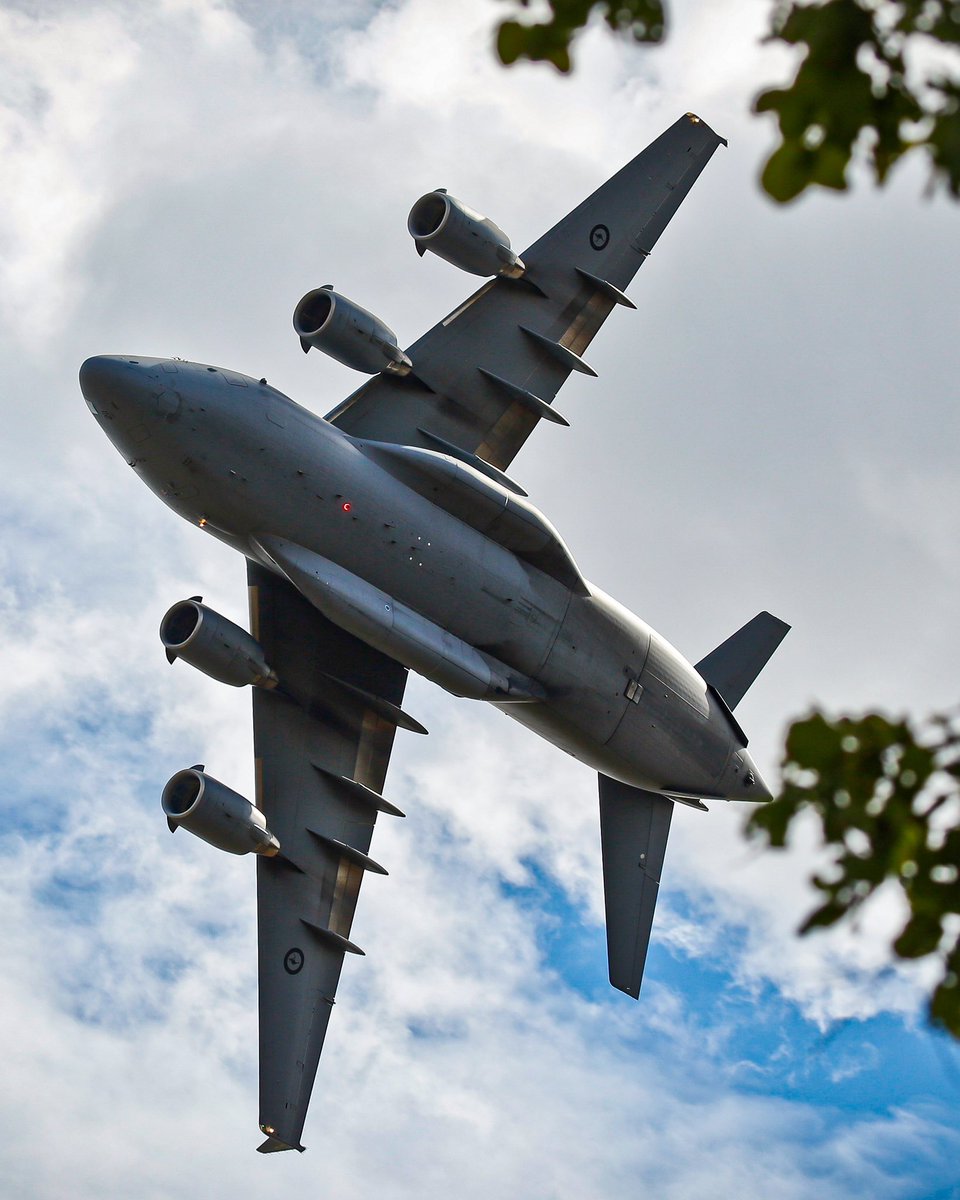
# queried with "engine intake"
point(445, 225)
point(208, 641)
point(332, 323)
point(208, 808)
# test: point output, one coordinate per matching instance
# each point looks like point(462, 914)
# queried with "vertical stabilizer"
point(736, 663)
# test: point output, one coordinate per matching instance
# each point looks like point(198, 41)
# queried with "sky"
point(774, 428)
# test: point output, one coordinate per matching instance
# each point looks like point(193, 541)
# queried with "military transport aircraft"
point(386, 538)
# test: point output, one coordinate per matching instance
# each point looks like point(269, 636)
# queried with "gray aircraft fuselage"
point(258, 471)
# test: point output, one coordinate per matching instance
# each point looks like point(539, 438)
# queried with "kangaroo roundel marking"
point(293, 961)
point(599, 236)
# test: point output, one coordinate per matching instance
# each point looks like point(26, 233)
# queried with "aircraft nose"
point(103, 378)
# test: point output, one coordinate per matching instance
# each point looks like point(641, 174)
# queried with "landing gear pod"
point(332, 323)
point(208, 641)
point(443, 224)
point(212, 811)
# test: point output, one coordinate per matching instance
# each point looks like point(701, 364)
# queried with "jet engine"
point(332, 323)
point(208, 641)
point(443, 224)
point(212, 811)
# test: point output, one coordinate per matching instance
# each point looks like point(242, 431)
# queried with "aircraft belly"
point(561, 726)
point(451, 574)
point(585, 651)
point(277, 470)
point(342, 507)
point(599, 649)
point(521, 610)
point(668, 729)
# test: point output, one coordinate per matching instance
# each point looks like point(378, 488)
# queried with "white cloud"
point(452, 1063)
point(174, 177)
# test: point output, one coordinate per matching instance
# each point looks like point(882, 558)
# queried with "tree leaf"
point(551, 40)
point(868, 780)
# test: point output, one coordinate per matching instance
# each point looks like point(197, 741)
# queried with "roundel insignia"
point(293, 961)
point(599, 236)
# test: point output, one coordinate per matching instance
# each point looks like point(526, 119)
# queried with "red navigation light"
point(346, 506)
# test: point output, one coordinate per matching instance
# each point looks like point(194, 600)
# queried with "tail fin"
point(736, 663)
point(633, 835)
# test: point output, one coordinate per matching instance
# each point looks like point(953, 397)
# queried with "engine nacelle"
point(208, 641)
point(216, 813)
point(443, 224)
point(332, 323)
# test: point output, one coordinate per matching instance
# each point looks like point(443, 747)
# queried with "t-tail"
point(735, 664)
point(634, 823)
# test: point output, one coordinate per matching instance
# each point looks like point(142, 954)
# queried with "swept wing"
point(489, 372)
point(322, 744)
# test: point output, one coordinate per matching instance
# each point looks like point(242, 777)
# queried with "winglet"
point(735, 664)
point(273, 1144)
point(695, 120)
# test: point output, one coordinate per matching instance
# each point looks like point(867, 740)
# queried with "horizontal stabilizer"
point(634, 825)
point(736, 663)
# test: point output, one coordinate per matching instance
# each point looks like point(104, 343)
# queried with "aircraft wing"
point(322, 743)
point(484, 377)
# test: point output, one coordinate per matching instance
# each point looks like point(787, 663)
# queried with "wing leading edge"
point(322, 744)
point(484, 377)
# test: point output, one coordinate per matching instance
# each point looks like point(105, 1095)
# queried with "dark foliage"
point(887, 798)
point(881, 77)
